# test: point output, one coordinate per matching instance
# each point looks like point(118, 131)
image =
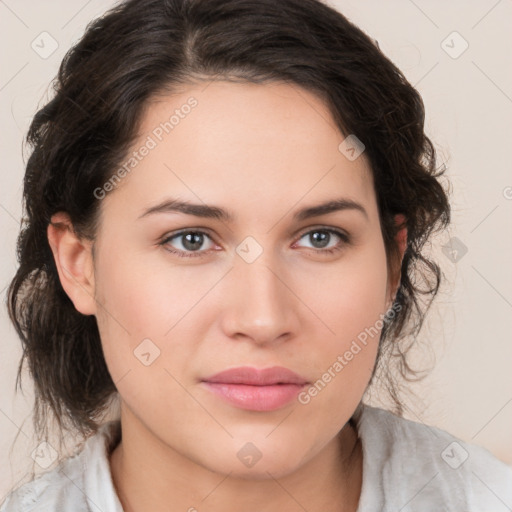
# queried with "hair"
point(144, 48)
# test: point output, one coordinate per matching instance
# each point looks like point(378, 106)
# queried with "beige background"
point(469, 105)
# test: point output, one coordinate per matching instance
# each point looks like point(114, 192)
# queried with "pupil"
point(322, 238)
point(193, 241)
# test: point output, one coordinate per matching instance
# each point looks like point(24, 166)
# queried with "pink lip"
point(256, 390)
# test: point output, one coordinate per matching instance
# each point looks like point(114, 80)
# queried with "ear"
point(73, 258)
point(401, 236)
point(401, 241)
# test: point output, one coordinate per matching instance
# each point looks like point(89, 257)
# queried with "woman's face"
point(269, 286)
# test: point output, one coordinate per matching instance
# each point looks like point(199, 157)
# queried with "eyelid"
point(333, 229)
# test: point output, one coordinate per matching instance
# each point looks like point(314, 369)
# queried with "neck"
point(150, 475)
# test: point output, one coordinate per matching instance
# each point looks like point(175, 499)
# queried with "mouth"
point(255, 389)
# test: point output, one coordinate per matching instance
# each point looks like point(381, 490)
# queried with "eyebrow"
point(215, 212)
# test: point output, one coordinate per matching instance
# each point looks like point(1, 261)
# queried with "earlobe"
point(73, 258)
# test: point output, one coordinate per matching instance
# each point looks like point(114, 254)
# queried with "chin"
point(262, 471)
point(250, 463)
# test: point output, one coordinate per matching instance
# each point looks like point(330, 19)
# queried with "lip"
point(256, 389)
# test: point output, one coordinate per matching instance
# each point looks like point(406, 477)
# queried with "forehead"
point(244, 144)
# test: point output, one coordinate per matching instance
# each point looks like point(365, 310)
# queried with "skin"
point(263, 152)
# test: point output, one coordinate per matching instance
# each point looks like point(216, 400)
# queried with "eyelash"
point(195, 254)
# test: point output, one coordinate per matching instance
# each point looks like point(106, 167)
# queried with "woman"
point(226, 207)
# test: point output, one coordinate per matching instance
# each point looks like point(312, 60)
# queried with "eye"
point(191, 243)
point(321, 237)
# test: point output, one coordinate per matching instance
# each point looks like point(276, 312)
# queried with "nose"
point(260, 305)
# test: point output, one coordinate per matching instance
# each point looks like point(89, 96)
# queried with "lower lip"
point(256, 398)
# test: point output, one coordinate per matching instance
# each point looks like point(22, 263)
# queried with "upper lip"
point(257, 377)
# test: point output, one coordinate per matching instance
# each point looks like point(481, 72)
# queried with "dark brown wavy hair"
point(143, 48)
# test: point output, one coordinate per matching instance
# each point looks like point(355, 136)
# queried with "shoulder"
point(417, 467)
point(79, 483)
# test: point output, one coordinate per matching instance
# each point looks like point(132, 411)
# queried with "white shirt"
point(407, 467)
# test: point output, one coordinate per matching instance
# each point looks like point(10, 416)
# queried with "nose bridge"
point(261, 281)
point(262, 307)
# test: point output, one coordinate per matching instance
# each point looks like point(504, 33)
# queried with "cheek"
point(350, 295)
point(156, 301)
point(351, 302)
point(141, 293)
point(134, 306)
